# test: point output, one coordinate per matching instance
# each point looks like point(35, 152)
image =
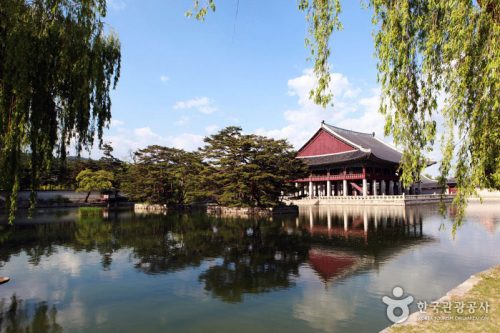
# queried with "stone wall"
point(251, 211)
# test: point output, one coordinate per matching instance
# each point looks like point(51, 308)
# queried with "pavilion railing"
point(405, 197)
point(351, 176)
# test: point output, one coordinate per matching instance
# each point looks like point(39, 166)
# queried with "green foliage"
point(162, 175)
point(428, 49)
point(57, 67)
point(200, 9)
point(89, 180)
point(323, 19)
point(248, 170)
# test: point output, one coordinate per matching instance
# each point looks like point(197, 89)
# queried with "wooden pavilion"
point(349, 163)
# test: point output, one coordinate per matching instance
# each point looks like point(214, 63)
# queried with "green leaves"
point(323, 19)
point(248, 170)
point(200, 9)
point(57, 67)
point(89, 180)
point(162, 175)
point(447, 49)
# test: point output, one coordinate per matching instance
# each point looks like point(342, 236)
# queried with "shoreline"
point(460, 291)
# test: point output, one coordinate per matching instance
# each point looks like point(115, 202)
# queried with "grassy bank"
point(486, 290)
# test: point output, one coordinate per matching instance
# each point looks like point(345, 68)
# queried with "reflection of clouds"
point(66, 261)
point(121, 263)
point(324, 307)
point(40, 282)
point(74, 315)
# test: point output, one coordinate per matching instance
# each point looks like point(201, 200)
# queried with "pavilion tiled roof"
point(336, 158)
point(365, 147)
point(368, 142)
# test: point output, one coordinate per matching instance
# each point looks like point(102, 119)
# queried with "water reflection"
point(332, 262)
point(264, 259)
point(254, 255)
point(346, 239)
point(23, 317)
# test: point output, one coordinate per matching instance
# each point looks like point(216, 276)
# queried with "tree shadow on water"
point(21, 316)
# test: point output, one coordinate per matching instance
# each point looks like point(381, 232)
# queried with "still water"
point(325, 271)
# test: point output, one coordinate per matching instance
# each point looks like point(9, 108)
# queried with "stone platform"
point(379, 200)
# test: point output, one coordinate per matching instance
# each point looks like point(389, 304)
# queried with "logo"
point(393, 304)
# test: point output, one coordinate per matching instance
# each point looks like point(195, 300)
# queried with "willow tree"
point(438, 64)
point(57, 67)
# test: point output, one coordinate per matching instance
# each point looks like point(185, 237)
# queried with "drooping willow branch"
point(57, 67)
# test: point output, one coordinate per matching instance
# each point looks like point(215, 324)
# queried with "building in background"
point(349, 163)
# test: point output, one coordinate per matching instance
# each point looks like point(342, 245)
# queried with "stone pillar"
point(382, 187)
point(374, 187)
point(391, 187)
point(310, 189)
point(328, 188)
point(399, 187)
point(344, 187)
point(365, 187)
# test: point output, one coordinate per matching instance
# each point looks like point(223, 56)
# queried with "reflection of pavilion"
point(347, 239)
point(360, 222)
point(330, 265)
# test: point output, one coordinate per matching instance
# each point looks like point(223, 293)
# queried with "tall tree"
point(162, 175)
point(248, 170)
point(426, 50)
point(57, 67)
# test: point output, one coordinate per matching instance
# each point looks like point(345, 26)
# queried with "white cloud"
point(164, 78)
point(202, 104)
point(126, 141)
point(187, 141)
point(304, 120)
point(117, 4)
point(182, 121)
point(115, 123)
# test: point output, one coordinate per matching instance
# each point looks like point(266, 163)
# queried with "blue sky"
point(183, 79)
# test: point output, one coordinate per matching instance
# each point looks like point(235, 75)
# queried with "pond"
point(325, 271)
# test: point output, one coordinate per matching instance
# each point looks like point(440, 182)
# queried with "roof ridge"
point(348, 130)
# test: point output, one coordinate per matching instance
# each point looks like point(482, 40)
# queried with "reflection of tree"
point(263, 260)
point(253, 256)
point(22, 317)
point(92, 231)
point(36, 240)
